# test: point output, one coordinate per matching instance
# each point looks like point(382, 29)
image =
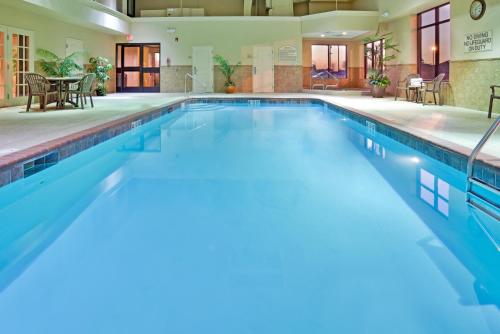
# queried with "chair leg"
point(82, 97)
point(85, 97)
point(424, 97)
point(28, 106)
point(91, 101)
point(490, 109)
point(43, 102)
point(435, 100)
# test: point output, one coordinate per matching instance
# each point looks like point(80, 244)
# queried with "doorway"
point(16, 59)
point(203, 69)
point(138, 67)
point(263, 69)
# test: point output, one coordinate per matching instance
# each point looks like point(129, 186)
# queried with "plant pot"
point(230, 89)
point(378, 91)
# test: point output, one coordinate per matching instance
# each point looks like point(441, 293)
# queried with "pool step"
point(484, 197)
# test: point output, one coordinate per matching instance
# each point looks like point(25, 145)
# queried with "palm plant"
point(55, 66)
point(226, 69)
point(101, 67)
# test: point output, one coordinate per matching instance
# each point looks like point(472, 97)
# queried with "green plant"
point(55, 66)
point(101, 67)
point(226, 69)
point(376, 78)
point(380, 53)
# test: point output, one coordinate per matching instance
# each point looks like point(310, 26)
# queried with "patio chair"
point(405, 85)
point(39, 86)
point(492, 97)
point(433, 87)
point(84, 89)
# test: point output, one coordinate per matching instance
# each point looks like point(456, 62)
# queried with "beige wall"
point(462, 23)
point(212, 8)
point(232, 39)
point(404, 33)
point(51, 34)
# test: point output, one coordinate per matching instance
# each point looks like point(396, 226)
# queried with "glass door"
point(138, 67)
point(16, 59)
point(3, 65)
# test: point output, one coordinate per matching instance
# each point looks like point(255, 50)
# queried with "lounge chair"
point(433, 87)
point(405, 85)
point(39, 86)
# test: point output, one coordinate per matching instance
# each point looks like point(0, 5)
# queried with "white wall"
point(462, 23)
point(233, 38)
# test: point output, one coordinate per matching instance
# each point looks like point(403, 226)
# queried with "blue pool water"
point(247, 219)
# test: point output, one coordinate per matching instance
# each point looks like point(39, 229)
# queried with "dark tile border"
point(12, 165)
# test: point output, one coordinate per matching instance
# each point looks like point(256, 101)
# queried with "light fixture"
point(385, 13)
point(323, 35)
point(434, 48)
point(344, 33)
point(415, 160)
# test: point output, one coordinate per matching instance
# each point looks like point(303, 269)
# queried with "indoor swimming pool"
point(247, 218)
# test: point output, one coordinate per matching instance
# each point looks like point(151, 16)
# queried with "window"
point(374, 52)
point(330, 59)
point(434, 42)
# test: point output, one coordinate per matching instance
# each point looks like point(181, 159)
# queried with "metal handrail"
point(477, 149)
point(193, 78)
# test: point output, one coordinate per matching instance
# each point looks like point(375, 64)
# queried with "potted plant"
point(382, 50)
point(101, 67)
point(227, 70)
point(55, 66)
point(379, 82)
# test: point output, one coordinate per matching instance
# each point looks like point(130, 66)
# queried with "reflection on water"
point(459, 227)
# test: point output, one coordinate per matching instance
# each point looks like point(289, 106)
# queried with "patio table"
point(63, 82)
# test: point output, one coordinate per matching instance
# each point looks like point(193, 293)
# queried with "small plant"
point(55, 66)
point(226, 69)
point(101, 67)
point(376, 78)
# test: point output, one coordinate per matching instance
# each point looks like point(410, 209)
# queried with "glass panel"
point(151, 56)
point(342, 61)
point(132, 79)
point(428, 17)
point(428, 52)
point(151, 80)
point(444, 13)
point(132, 56)
point(369, 64)
point(119, 56)
point(319, 55)
point(334, 59)
point(2, 65)
point(119, 80)
point(444, 48)
point(20, 64)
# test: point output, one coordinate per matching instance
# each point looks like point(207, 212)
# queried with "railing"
point(479, 146)
point(481, 194)
point(193, 79)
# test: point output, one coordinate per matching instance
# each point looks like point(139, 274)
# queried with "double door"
point(138, 67)
point(16, 59)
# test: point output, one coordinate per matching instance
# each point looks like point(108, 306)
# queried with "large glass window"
point(374, 52)
point(434, 42)
point(330, 59)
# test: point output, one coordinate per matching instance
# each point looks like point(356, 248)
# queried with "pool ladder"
point(480, 194)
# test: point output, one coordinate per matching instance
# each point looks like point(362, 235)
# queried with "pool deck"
point(459, 129)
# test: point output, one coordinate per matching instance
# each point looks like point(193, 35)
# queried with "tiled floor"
point(457, 128)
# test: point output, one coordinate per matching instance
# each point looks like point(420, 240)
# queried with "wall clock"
point(477, 9)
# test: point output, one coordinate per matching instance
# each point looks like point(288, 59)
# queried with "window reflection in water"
point(434, 191)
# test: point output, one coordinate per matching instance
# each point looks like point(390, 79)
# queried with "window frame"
point(330, 69)
point(437, 43)
point(372, 44)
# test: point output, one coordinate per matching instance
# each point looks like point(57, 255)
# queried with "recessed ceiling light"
point(344, 33)
point(323, 35)
point(386, 13)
